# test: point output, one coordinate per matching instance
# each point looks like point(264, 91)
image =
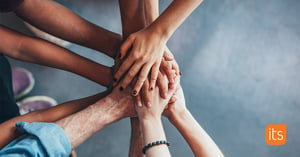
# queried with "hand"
point(123, 102)
point(169, 67)
point(156, 104)
point(176, 107)
point(146, 53)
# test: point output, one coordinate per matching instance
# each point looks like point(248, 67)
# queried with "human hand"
point(146, 53)
point(122, 102)
point(177, 106)
point(169, 67)
point(155, 105)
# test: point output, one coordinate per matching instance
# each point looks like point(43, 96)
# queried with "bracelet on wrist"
point(155, 144)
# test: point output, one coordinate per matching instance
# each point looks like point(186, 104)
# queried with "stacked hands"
point(146, 76)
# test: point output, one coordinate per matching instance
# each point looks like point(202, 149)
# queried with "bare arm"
point(150, 121)
point(56, 19)
point(146, 46)
point(37, 51)
point(8, 128)
point(199, 141)
point(82, 125)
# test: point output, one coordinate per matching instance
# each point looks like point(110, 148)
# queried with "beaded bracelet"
point(154, 144)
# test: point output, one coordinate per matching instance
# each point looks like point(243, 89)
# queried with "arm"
point(8, 128)
point(150, 121)
point(33, 50)
point(56, 19)
point(146, 46)
point(199, 141)
point(82, 125)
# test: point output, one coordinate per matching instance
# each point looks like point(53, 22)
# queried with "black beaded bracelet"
point(154, 144)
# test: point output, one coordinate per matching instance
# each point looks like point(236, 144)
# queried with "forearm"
point(8, 129)
point(173, 17)
point(55, 19)
point(153, 131)
point(136, 139)
point(132, 16)
point(37, 51)
point(199, 141)
point(82, 125)
point(151, 10)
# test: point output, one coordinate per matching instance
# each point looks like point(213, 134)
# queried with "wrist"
point(176, 116)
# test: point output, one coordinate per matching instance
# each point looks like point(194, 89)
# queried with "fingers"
point(162, 85)
point(138, 101)
point(130, 75)
point(167, 69)
point(154, 75)
point(147, 95)
point(141, 79)
point(168, 56)
point(126, 46)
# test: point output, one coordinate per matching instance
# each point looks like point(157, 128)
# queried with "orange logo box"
point(276, 134)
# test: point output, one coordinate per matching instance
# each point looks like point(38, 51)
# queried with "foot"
point(23, 82)
point(35, 103)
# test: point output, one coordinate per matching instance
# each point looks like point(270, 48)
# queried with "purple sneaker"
point(22, 81)
point(35, 103)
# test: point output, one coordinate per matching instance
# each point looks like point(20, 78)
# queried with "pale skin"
point(199, 141)
point(150, 120)
point(143, 50)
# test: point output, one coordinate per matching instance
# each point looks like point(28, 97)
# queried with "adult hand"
point(177, 106)
point(156, 104)
point(145, 49)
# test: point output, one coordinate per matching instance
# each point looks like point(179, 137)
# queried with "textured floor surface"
point(241, 70)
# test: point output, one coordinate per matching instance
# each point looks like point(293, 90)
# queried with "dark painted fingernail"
point(121, 88)
point(151, 88)
point(120, 55)
point(115, 80)
point(134, 93)
point(180, 73)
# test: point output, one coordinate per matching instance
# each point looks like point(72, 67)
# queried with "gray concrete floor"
point(240, 62)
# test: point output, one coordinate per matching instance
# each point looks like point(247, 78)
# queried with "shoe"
point(22, 81)
point(35, 103)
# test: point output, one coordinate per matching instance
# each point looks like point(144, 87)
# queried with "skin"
point(150, 121)
point(144, 49)
point(199, 141)
point(47, 16)
point(8, 128)
point(37, 51)
point(115, 106)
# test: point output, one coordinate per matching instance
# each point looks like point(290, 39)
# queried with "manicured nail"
point(134, 93)
point(151, 88)
point(121, 88)
point(180, 73)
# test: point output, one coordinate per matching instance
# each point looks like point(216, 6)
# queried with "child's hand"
point(146, 49)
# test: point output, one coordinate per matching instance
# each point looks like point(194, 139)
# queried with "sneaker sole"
point(37, 98)
point(31, 84)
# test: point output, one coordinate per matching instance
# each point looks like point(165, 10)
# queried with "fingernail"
point(120, 55)
point(180, 73)
point(115, 80)
point(134, 92)
point(151, 88)
point(121, 88)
